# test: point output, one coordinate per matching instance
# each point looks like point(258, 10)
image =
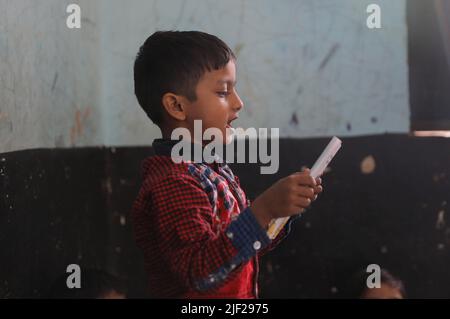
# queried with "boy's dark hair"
point(95, 283)
point(174, 61)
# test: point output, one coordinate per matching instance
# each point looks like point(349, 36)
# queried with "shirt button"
point(230, 235)
point(257, 245)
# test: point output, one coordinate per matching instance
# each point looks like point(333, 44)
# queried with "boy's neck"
point(166, 133)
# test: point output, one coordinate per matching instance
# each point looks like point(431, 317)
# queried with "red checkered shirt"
point(198, 234)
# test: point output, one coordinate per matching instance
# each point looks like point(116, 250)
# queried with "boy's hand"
point(288, 196)
point(318, 188)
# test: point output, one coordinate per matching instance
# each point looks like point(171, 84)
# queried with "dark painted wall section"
point(429, 64)
point(59, 207)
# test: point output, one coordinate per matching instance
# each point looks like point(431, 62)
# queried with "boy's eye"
point(223, 94)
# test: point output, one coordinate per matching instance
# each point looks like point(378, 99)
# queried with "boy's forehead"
point(225, 75)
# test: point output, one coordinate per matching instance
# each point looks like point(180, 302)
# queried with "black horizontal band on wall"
point(385, 201)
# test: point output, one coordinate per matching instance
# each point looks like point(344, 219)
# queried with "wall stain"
point(294, 119)
point(77, 129)
point(349, 126)
point(238, 48)
point(330, 54)
point(54, 81)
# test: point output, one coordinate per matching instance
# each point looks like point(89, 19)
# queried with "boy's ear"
point(174, 106)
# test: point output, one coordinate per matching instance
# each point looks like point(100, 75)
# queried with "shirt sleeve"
point(201, 256)
point(280, 237)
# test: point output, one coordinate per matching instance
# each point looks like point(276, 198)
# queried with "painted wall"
point(311, 68)
point(49, 84)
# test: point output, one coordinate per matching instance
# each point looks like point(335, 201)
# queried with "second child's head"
point(183, 76)
point(390, 287)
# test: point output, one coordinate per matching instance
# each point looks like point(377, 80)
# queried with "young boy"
point(200, 235)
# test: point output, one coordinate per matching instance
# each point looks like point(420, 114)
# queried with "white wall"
point(49, 84)
point(310, 67)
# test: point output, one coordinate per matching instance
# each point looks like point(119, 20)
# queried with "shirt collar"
point(163, 147)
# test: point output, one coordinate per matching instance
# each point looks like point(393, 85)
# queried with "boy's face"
point(217, 101)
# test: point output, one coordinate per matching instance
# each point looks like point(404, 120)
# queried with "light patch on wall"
point(123, 220)
point(432, 133)
point(368, 165)
point(107, 185)
point(440, 222)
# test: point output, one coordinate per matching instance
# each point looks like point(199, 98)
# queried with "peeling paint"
point(440, 222)
point(77, 129)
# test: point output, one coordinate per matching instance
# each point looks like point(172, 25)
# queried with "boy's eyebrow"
point(227, 82)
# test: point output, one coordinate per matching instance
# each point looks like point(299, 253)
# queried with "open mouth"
point(229, 122)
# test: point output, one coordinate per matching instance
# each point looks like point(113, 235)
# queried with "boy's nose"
point(239, 104)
